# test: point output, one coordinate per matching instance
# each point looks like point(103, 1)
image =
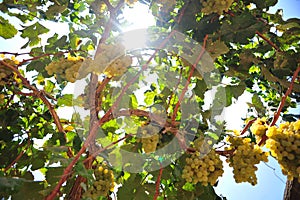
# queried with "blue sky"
point(271, 182)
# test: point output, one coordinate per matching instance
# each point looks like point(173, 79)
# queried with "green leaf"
point(200, 88)
point(54, 174)
point(149, 97)
point(7, 30)
point(82, 171)
point(10, 185)
point(145, 192)
point(290, 23)
point(264, 4)
point(65, 100)
point(127, 189)
point(49, 86)
point(241, 28)
point(37, 163)
point(31, 190)
point(258, 105)
point(213, 135)
point(133, 103)
point(233, 92)
point(33, 33)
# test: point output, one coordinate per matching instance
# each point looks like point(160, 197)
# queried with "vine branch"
point(157, 185)
point(268, 41)
point(281, 104)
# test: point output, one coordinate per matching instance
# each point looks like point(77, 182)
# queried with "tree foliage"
point(148, 130)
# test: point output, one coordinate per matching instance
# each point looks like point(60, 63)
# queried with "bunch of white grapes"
point(111, 61)
point(65, 68)
point(284, 143)
point(204, 165)
point(246, 155)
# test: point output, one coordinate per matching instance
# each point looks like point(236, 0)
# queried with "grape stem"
point(247, 126)
point(157, 185)
point(281, 104)
point(268, 41)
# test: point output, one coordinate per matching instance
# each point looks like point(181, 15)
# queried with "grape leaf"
point(65, 100)
point(7, 30)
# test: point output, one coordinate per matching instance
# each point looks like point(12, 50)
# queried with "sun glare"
point(139, 18)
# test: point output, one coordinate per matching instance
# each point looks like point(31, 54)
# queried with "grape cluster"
point(203, 166)
point(6, 73)
point(103, 184)
point(215, 6)
point(118, 66)
point(149, 138)
point(284, 143)
point(244, 158)
point(259, 128)
point(65, 68)
point(111, 61)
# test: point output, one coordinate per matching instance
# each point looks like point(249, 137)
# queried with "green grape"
point(203, 166)
point(215, 6)
point(246, 155)
point(103, 184)
point(284, 144)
